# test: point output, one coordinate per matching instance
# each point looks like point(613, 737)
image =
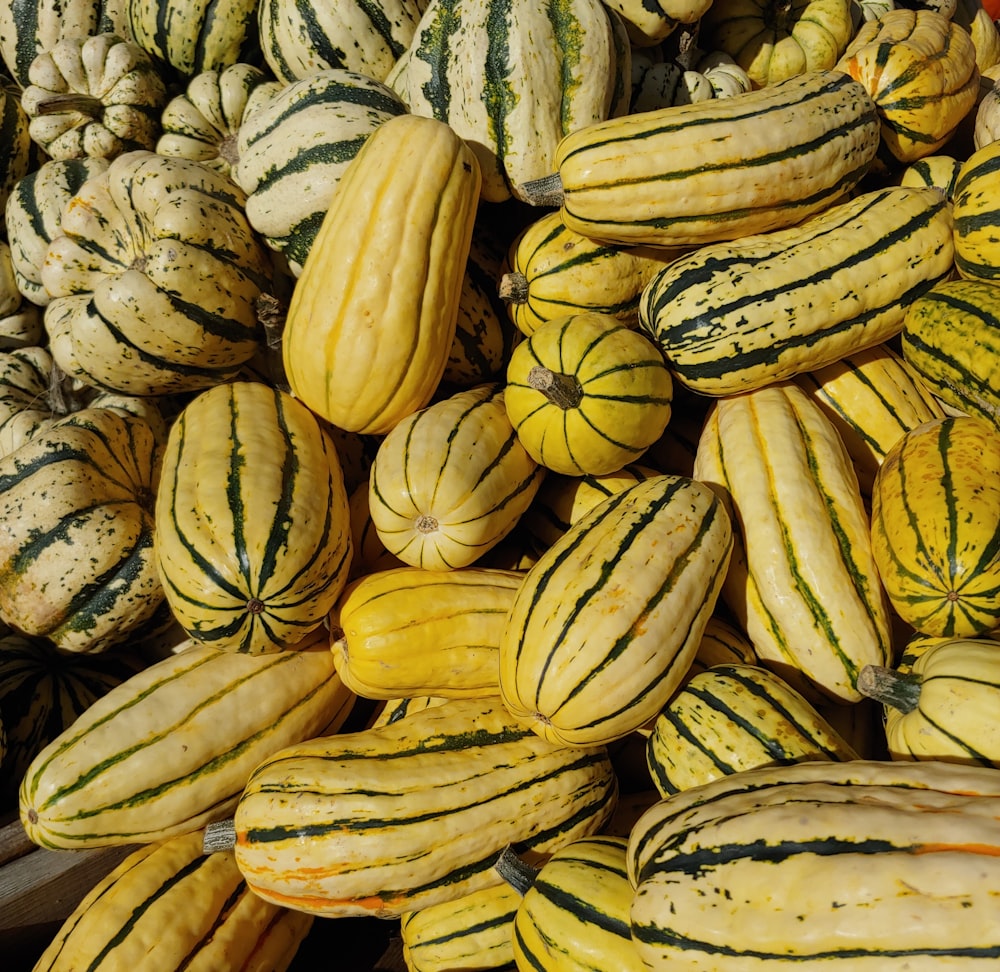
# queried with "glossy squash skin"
point(935, 527)
point(608, 620)
point(373, 315)
point(168, 905)
point(869, 858)
point(252, 521)
point(977, 255)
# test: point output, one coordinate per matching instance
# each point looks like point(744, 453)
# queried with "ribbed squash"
point(18, 156)
point(451, 481)
point(717, 169)
point(721, 644)
point(864, 864)
point(168, 905)
point(373, 315)
point(935, 527)
point(171, 747)
point(574, 913)
point(555, 272)
point(471, 932)
point(412, 814)
point(731, 718)
point(154, 278)
point(731, 317)
point(99, 96)
point(649, 22)
point(253, 538)
point(919, 67)
point(20, 320)
point(79, 567)
point(608, 620)
point(586, 394)
point(413, 632)
point(873, 397)
point(933, 170)
point(977, 216)
point(773, 40)
point(944, 706)
point(951, 340)
point(513, 77)
point(802, 581)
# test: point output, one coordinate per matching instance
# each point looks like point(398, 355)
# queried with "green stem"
point(516, 871)
point(562, 390)
point(890, 687)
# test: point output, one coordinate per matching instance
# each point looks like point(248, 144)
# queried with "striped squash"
point(19, 156)
point(293, 148)
point(25, 382)
point(43, 691)
point(944, 706)
point(300, 39)
point(722, 643)
point(802, 581)
point(731, 317)
point(919, 66)
point(514, 79)
point(20, 319)
point(368, 553)
point(865, 864)
point(940, 171)
point(154, 278)
point(450, 481)
point(167, 906)
point(977, 216)
point(554, 272)
point(608, 620)
point(935, 527)
point(731, 718)
point(33, 217)
point(717, 169)
point(79, 568)
point(873, 397)
point(171, 747)
point(574, 913)
point(473, 932)
point(412, 814)
point(373, 315)
point(951, 340)
point(587, 394)
point(253, 541)
point(409, 632)
point(651, 21)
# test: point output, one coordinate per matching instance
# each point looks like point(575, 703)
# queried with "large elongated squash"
point(373, 314)
point(388, 820)
point(608, 620)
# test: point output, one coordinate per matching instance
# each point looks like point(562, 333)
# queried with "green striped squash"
point(471, 932)
point(865, 865)
point(944, 705)
point(722, 643)
point(79, 568)
point(19, 156)
point(44, 690)
point(20, 319)
point(514, 79)
point(802, 581)
point(253, 540)
point(167, 906)
point(29, 27)
point(718, 169)
point(299, 38)
point(25, 380)
point(951, 339)
point(33, 217)
point(408, 815)
point(735, 316)
point(977, 216)
point(574, 914)
point(606, 623)
point(451, 480)
point(873, 397)
point(731, 718)
point(940, 171)
point(935, 527)
point(171, 747)
point(292, 149)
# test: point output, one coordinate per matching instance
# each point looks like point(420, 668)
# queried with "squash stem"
point(547, 191)
point(516, 871)
point(85, 104)
point(562, 390)
point(513, 288)
point(901, 690)
point(218, 836)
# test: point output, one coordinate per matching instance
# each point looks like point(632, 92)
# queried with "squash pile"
point(526, 471)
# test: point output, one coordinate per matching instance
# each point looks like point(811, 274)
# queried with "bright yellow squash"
point(373, 314)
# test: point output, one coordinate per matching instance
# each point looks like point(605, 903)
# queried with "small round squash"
point(587, 394)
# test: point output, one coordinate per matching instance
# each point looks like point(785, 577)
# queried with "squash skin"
point(373, 314)
point(253, 539)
